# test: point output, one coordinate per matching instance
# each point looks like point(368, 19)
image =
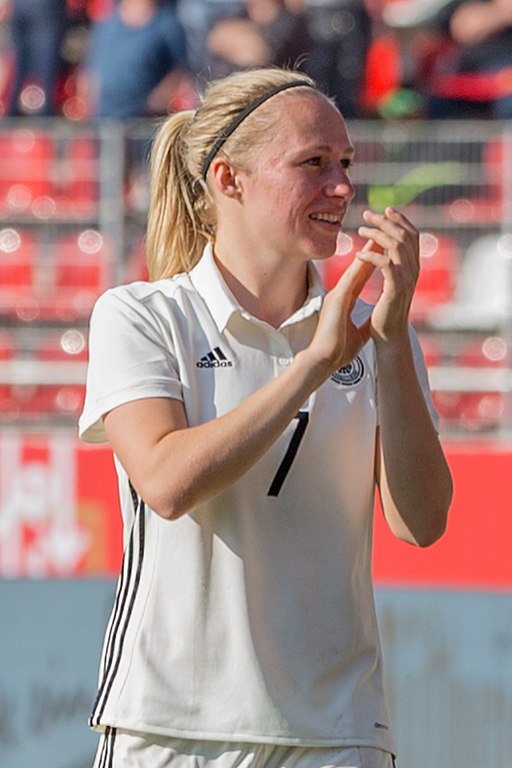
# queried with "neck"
point(270, 293)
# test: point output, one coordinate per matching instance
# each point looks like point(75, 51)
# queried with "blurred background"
point(426, 86)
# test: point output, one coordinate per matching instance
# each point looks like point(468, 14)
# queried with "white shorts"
point(125, 749)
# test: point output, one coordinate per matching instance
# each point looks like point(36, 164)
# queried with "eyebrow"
point(349, 150)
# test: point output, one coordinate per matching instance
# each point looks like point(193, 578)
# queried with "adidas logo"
point(214, 359)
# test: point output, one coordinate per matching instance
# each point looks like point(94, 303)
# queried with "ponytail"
point(175, 235)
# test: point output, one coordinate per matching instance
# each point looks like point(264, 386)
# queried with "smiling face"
point(297, 189)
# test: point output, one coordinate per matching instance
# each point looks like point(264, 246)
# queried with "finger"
point(380, 238)
point(373, 253)
point(392, 223)
point(400, 240)
point(379, 259)
point(409, 234)
point(389, 219)
point(371, 245)
point(393, 215)
point(355, 277)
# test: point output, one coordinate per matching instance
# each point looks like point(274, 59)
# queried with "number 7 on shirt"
point(284, 467)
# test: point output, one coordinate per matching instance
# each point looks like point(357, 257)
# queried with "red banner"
point(474, 553)
point(59, 517)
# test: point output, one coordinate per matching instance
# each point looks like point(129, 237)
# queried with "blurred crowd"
point(83, 59)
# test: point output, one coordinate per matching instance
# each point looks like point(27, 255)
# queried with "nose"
point(339, 184)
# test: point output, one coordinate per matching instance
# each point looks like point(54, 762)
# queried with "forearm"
point(186, 466)
point(414, 478)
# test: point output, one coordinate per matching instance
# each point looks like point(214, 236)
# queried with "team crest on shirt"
point(350, 374)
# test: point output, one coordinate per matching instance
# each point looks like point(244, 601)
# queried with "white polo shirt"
point(252, 617)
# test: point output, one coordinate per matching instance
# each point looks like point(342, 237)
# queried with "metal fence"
point(73, 202)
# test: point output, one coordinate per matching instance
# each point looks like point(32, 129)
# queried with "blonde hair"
point(181, 217)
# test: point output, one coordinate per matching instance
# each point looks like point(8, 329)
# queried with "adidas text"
point(214, 364)
point(214, 359)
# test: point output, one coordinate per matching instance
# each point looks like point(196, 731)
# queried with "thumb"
point(371, 245)
point(355, 277)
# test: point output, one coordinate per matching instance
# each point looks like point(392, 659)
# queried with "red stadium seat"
point(40, 402)
point(9, 408)
point(26, 172)
point(8, 346)
point(439, 263)
point(18, 263)
point(481, 408)
point(82, 270)
point(136, 267)
point(61, 346)
point(78, 192)
point(78, 261)
point(47, 397)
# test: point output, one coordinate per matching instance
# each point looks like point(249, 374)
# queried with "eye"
point(315, 161)
point(346, 163)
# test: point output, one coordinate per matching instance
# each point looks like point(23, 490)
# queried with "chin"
point(323, 253)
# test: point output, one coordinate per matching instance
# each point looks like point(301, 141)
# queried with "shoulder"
point(144, 298)
point(145, 292)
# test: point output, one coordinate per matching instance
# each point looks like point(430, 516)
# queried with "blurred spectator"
point(341, 32)
point(97, 9)
point(137, 62)
point(37, 29)
point(198, 17)
point(462, 63)
point(264, 32)
point(408, 13)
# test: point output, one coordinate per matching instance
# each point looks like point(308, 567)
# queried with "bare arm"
point(175, 467)
point(411, 471)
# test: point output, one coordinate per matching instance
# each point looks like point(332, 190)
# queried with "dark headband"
point(226, 133)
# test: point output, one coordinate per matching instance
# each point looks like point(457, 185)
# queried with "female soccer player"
point(252, 415)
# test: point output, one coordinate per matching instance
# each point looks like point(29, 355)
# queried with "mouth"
point(333, 219)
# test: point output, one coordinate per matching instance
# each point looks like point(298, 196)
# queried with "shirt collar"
point(221, 303)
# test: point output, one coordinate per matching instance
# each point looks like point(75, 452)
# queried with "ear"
point(225, 178)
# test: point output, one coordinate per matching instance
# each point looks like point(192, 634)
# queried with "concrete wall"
point(448, 657)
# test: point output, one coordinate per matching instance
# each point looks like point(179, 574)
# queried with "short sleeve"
point(130, 358)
